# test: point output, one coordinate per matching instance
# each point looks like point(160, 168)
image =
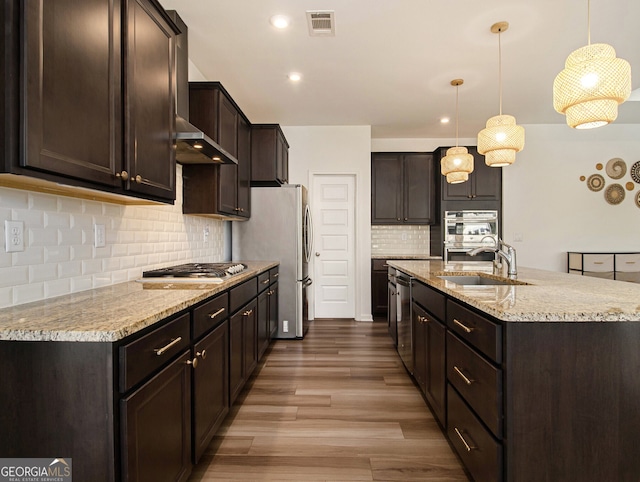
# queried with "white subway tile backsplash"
point(400, 240)
point(28, 292)
point(60, 256)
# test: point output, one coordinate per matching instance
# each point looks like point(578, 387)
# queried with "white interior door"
point(334, 240)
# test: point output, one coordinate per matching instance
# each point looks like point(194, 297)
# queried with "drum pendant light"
point(502, 137)
point(458, 163)
point(592, 85)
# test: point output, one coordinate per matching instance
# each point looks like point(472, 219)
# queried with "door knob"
point(317, 254)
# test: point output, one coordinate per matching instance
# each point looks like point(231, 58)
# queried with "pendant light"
point(458, 163)
point(592, 85)
point(502, 137)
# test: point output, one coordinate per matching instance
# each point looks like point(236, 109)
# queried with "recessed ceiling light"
point(295, 77)
point(444, 120)
point(280, 21)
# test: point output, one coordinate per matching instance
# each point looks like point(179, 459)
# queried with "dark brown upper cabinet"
point(402, 188)
point(219, 190)
point(484, 184)
point(269, 155)
point(93, 106)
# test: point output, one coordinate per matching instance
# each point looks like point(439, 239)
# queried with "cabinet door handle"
point(124, 175)
point(276, 275)
point(247, 313)
point(463, 326)
point(398, 219)
point(141, 180)
point(466, 445)
point(265, 282)
point(193, 363)
point(202, 354)
point(213, 315)
point(423, 319)
point(161, 351)
point(467, 380)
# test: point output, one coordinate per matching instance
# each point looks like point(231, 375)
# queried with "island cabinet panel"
point(428, 309)
point(379, 294)
point(572, 401)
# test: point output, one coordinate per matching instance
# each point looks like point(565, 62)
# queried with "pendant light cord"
point(457, 115)
point(500, 68)
point(588, 22)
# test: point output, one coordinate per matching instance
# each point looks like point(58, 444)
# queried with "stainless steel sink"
point(477, 280)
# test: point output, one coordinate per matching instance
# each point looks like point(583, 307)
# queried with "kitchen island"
point(536, 379)
point(131, 381)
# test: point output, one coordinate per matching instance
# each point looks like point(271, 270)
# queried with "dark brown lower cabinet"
point(263, 323)
point(243, 351)
point(273, 309)
point(379, 301)
point(250, 316)
point(436, 379)
point(419, 322)
point(156, 426)
point(210, 387)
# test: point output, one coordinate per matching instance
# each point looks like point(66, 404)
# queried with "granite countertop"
point(111, 313)
point(405, 256)
point(548, 296)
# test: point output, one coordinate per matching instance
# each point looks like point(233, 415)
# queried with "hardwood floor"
point(336, 406)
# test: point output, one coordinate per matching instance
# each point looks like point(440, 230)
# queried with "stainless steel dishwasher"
point(405, 330)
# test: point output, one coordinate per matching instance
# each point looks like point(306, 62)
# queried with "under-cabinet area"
point(133, 400)
point(525, 386)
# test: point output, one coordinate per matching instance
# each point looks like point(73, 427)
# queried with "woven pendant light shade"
point(456, 165)
point(591, 86)
point(500, 140)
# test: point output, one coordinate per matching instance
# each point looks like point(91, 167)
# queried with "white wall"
point(546, 203)
point(339, 149)
point(60, 257)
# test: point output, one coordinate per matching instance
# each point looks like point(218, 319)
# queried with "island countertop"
point(548, 296)
point(110, 313)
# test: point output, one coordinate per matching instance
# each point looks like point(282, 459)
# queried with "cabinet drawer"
point(628, 263)
point(429, 298)
point(142, 357)
point(597, 262)
point(480, 453)
point(210, 314)
point(631, 277)
point(263, 281)
point(481, 333)
point(600, 274)
point(479, 382)
point(273, 275)
point(242, 294)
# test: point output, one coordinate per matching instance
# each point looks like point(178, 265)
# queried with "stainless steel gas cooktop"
point(193, 273)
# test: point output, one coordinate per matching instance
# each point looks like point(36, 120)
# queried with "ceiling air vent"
point(321, 23)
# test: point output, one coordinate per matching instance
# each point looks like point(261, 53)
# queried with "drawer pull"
point(202, 354)
point(276, 275)
point(598, 262)
point(193, 362)
point(265, 282)
point(466, 445)
point(161, 351)
point(630, 262)
point(463, 326)
point(247, 313)
point(467, 380)
point(270, 292)
point(213, 315)
point(423, 319)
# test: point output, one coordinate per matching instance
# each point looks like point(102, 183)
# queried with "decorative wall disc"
point(614, 194)
point(599, 166)
point(616, 168)
point(582, 178)
point(595, 182)
point(635, 172)
point(630, 186)
point(638, 199)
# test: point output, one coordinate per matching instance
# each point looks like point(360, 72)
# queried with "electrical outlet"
point(518, 238)
point(285, 326)
point(99, 235)
point(14, 236)
point(205, 234)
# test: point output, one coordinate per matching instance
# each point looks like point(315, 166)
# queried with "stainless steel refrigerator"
point(280, 229)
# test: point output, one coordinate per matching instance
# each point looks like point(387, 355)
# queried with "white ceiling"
point(390, 62)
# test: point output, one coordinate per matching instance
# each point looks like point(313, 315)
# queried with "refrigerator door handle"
point(308, 233)
point(307, 282)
